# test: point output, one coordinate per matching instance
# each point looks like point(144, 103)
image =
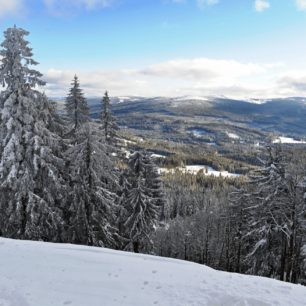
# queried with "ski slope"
point(41, 274)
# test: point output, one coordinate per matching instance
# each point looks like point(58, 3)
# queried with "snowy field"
point(196, 168)
point(41, 274)
point(231, 135)
point(158, 155)
point(212, 143)
point(199, 133)
point(288, 140)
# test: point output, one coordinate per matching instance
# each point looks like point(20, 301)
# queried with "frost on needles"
point(76, 106)
point(31, 187)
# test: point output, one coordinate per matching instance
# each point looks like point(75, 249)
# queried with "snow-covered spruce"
point(91, 204)
point(123, 192)
point(275, 219)
point(109, 125)
point(31, 187)
point(142, 212)
point(76, 106)
point(154, 184)
point(50, 116)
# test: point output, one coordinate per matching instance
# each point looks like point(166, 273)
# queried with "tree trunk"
point(283, 258)
point(136, 246)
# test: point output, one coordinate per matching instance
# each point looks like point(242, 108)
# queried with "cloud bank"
point(199, 76)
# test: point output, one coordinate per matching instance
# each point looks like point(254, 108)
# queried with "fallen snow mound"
point(40, 274)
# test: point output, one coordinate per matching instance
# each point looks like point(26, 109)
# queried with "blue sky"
point(237, 48)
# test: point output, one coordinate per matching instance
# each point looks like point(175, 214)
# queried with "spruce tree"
point(76, 106)
point(124, 192)
point(154, 184)
point(109, 125)
point(142, 212)
point(31, 185)
point(91, 204)
point(264, 214)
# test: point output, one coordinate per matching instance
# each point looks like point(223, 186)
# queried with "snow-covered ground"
point(212, 143)
point(288, 140)
point(198, 133)
point(157, 155)
point(41, 274)
point(255, 101)
point(191, 98)
point(196, 168)
point(231, 135)
point(128, 141)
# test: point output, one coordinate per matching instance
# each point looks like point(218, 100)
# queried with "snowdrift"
point(40, 274)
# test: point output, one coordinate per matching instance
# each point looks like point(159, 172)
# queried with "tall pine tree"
point(91, 204)
point(142, 212)
point(109, 125)
point(31, 185)
point(76, 106)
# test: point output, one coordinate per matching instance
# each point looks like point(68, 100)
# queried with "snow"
point(195, 169)
point(255, 101)
point(198, 133)
point(122, 99)
point(212, 143)
point(40, 273)
point(129, 141)
point(157, 155)
point(287, 140)
point(191, 98)
point(231, 135)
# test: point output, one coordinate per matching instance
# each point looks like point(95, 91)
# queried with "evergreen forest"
point(69, 178)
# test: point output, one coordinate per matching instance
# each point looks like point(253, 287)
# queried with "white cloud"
point(185, 77)
point(261, 5)
point(10, 7)
point(202, 69)
point(69, 7)
point(293, 80)
point(203, 3)
point(278, 64)
point(176, 77)
point(301, 4)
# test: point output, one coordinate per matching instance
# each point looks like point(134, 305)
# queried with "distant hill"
point(214, 117)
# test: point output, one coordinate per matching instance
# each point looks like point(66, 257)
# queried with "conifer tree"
point(142, 211)
point(124, 192)
point(154, 184)
point(50, 116)
point(91, 204)
point(109, 125)
point(76, 106)
point(31, 185)
point(263, 224)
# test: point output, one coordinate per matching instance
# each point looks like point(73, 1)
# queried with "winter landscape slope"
point(40, 274)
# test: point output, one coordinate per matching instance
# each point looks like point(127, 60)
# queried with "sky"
point(236, 48)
